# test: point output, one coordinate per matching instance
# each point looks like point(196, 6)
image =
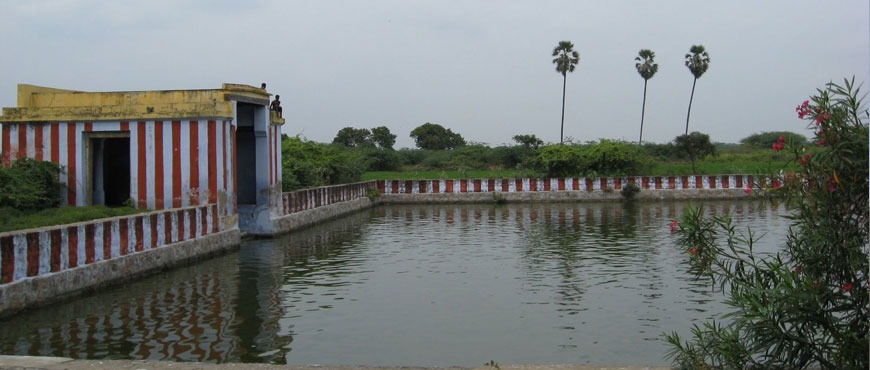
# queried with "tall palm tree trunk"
point(642, 113)
point(562, 129)
point(691, 97)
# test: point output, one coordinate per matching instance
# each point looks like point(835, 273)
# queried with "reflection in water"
point(412, 285)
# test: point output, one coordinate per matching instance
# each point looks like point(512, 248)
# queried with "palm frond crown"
point(646, 65)
point(566, 57)
point(697, 60)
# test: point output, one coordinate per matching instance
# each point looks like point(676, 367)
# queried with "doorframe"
point(89, 158)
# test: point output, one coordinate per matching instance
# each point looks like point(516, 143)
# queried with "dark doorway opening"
point(246, 173)
point(109, 163)
point(116, 167)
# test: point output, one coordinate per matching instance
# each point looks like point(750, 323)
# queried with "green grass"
point(12, 219)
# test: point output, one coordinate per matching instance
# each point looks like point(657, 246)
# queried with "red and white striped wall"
point(563, 184)
point(301, 200)
point(38, 252)
point(173, 164)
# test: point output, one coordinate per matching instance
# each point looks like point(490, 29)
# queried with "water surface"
point(436, 285)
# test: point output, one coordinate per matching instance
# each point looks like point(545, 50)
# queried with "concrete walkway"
point(63, 363)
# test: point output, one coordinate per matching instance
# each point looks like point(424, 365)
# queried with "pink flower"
point(693, 251)
point(777, 147)
point(803, 109)
point(748, 189)
point(847, 287)
point(674, 226)
point(821, 117)
point(776, 184)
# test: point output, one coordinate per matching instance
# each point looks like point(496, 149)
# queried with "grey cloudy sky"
point(480, 68)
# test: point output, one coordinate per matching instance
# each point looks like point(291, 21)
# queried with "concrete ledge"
point(45, 289)
point(302, 219)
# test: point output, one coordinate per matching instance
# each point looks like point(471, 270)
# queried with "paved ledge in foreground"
point(57, 363)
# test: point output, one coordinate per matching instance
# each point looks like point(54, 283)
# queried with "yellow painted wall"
point(37, 103)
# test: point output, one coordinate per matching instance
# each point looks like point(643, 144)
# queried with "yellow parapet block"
point(37, 103)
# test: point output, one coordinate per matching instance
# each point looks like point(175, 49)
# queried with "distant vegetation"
point(309, 164)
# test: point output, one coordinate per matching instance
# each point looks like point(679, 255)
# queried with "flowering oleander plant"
point(805, 306)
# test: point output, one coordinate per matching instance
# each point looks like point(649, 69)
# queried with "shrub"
point(30, 185)
point(559, 161)
point(613, 158)
point(805, 306)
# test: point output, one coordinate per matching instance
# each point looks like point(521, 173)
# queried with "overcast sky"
point(481, 68)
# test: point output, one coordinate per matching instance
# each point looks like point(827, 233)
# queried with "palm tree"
point(647, 68)
point(566, 60)
point(698, 61)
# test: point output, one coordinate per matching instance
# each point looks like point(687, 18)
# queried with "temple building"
point(155, 149)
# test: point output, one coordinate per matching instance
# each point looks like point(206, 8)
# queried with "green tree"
point(30, 185)
point(767, 139)
point(528, 141)
point(433, 136)
point(805, 306)
point(697, 61)
point(694, 146)
point(353, 137)
point(383, 138)
point(566, 61)
point(647, 68)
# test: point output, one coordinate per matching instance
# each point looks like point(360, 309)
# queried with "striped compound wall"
point(173, 164)
point(39, 252)
point(527, 185)
point(308, 199)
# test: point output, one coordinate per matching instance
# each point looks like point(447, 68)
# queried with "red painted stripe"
point(215, 226)
point(477, 186)
point(71, 163)
point(463, 186)
point(179, 216)
point(123, 236)
point(37, 142)
point(725, 183)
point(533, 184)
point(519, 184)
point(107, 240)
point(55, 142)
point(125, 126)
point(89, 127)
point(139, 230)
point(712, 181)
point(382, 186)
point(7, 251)
point(89, 244)
point(212, 162)
point(672, 182)
point(490, 184)
point(73, 242)
point(32, 254)
point(739, 181)
point(159, 194)
point(699, 182)
point(203, 220)
point(22, 141)
point(617, 183)
point(176, 164)
point(224, 153)
point(589, 184)
point(191, 214)
point(561, 184)
point(505, 185)
point(658, 182)
point(575, 184)
point(167, 228)
point(194, 162)
point(4, 155)
point(153, 229)
point(56, 242)
point(685, 182)
point(143, 179)
point(602, 183)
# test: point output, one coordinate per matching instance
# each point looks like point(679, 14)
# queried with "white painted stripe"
point(62, 159)
point(202, 139)
point(98, 242)
point(80, 245)
point(80, 185)
point(184, 152)
point(19, 243)
point(115, 231)
point(167, 163)
point(44, 252)
point(30, 140)
point(135, 152)
point(151, 166)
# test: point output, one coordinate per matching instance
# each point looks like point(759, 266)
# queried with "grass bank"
point(12, 219)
